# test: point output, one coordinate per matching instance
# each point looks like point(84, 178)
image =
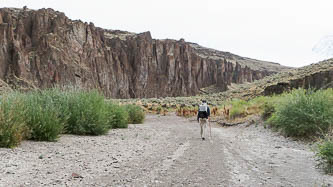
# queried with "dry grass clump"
point(190, 111)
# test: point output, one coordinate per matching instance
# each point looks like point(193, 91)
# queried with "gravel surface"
point(164, 151)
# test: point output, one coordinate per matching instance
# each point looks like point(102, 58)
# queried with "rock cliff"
point(315, 76)
point(43, 48)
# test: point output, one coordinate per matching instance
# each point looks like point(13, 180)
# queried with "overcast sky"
point(282, 31)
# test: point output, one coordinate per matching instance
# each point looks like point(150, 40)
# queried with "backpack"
point(203, 111)
point(203, 108)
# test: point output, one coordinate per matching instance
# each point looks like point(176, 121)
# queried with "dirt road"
point(164, 151)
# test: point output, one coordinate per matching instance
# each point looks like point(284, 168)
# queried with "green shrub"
point(12, 126)
point(325, 156)
point(60, 101)
point(159, 110)
point(117, 116)
point(88, 115)
point(238, 108)
point(303, 113)
point(135, 114)
point(268, 110)
point(42, 117)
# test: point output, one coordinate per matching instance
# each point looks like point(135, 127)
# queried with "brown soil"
point(164, 151)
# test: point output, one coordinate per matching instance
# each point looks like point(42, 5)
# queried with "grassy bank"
point(308, 114)
point(303, 114)
point(44, 115)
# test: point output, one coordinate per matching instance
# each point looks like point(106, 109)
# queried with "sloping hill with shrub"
point(316, 76)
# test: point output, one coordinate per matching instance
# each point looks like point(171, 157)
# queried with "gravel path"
point(164, 151)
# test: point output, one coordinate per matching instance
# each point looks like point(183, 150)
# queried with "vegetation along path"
point(164, 151)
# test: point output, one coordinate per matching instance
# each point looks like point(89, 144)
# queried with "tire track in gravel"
point(179, 159)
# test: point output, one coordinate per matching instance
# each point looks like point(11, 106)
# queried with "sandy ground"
point(164, 151)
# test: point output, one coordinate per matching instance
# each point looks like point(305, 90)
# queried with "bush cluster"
point(304, 113)
point(238, 108)
point(43, 115)
point(117, 116)
point(88, 115)
point(135, 114)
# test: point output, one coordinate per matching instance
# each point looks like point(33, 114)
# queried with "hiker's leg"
point(204, 123)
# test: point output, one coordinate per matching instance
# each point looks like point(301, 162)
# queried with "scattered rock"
point(75, 175)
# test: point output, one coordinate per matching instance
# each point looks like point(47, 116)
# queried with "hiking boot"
point(203, 138)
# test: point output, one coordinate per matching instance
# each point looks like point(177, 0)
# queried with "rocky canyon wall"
point(44, 48)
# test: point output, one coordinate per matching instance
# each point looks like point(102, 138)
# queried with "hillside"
point(243, 61)
point(316, 76)
point(44, 48)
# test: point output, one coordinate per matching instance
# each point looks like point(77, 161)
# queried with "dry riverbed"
point(164, 151)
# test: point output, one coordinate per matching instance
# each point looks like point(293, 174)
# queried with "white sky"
point(282, 31)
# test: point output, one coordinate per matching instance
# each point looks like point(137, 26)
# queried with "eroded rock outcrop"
point(311, 80)
point(44, 48)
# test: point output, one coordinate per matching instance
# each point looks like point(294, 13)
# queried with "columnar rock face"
point(316, 80)
point(44, 48)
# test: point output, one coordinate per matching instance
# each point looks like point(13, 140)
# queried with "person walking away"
point(203, 118)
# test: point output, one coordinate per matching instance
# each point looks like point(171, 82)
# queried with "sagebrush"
point(304, 113)
point(12, 125)
point(87, 115)
point(117, 116)
point(42, 117)
point(136, 114)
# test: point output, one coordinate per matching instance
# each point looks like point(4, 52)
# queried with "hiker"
point(203, 117)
